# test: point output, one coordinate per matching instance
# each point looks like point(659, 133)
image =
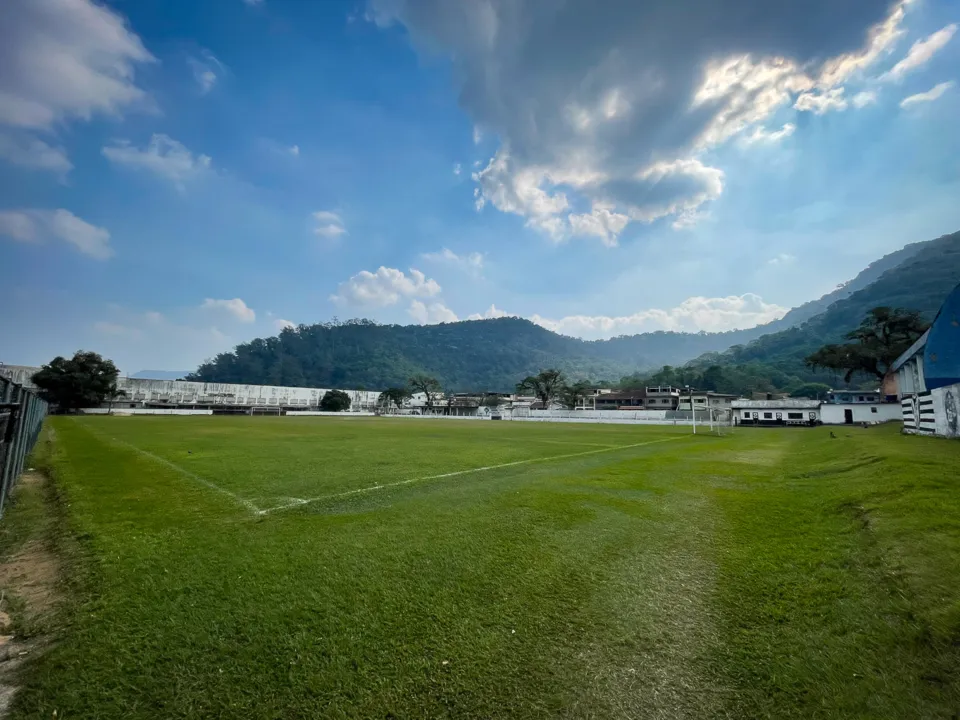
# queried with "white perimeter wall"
point(144, 411)
point(831, 414)
point(936, 412)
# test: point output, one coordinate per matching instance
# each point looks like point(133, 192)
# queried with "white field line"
point(372, 488)
point(193, 476)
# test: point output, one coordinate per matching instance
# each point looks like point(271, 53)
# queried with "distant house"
point(846, 407)
point(706, 400)
point(781, 412)
point(650, 398)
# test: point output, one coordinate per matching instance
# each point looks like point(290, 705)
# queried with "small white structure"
point(858, 413)
point(788, 411)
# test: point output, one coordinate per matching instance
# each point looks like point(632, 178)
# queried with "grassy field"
point(374, 568)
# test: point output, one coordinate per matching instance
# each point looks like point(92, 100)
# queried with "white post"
point(693, 412)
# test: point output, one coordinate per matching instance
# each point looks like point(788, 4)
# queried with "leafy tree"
point(85, 380)
point(429, 386)
point(572, 395)
point(545, 385)
point(395, 395)
point(490, 400)
point(335, 401)
point(814, 391)
point(879, 340)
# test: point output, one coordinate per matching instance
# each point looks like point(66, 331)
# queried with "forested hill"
point(921, 282)
point(495, 354)
point(469, 355)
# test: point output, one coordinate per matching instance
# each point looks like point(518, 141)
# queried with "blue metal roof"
point(941, 355)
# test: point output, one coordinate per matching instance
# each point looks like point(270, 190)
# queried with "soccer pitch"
point(243, 567)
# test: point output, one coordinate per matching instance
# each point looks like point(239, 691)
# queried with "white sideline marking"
point(301, 503)
point(203, 481)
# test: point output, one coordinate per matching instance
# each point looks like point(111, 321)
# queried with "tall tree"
point(429, 386)
point(335, 401)
point(85, 380)
point(572, 395)
point(545, 385)
point(395, 396)
point(881, 338)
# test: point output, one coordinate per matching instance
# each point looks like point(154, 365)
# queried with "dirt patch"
point(29, 591)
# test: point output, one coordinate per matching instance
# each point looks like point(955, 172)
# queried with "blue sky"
point(181, 176)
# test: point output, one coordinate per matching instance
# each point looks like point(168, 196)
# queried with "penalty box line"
point(193, 476)
point(374, 488)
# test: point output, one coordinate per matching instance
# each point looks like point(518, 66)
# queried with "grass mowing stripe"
point(193, 476)
point(372, 488)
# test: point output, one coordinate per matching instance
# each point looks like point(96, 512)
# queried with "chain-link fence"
point(21, 416)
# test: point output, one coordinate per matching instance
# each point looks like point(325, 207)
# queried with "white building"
point(788, 411)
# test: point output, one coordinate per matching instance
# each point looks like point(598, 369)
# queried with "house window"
point(794, 416)
point(768, 416)
point(873, 409)
point(746, 414)
point(860, 398)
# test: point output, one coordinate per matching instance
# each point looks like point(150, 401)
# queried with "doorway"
point(848, 416)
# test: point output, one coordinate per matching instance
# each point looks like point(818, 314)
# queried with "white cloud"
point(471, 262)
point(431, 314)
point(782, 259)
point(600, 222)
point(692, 315)
point(920, 53)
point(281, 324)
point(44, 225)
point(477, 135)
point(821, 102)
point(762, 135)
point(457, 169)
point(235, 307)
point(491, 312)
point(111, 328)
point(617, 117)
point(32, 153)
point(294, 150)
point(64, 59)
point(384, 287)
point(329, 224)
point(206, 70)
point(163, 156)
point(928, 96)
point(864, 98)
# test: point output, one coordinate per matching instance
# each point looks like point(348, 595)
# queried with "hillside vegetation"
point(494, 354)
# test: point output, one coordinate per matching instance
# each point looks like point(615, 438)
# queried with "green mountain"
point(495, 354)
point(920, 281)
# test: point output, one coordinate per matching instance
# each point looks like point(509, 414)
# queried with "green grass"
point(769, 573)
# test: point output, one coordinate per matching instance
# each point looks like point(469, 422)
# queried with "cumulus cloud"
point(864, 98)
point(457, 169)
point(329, 224)
point(32, 153)
point(821, 102)
point(64, 59)
point(163, 156)
point(471, 262)
point(281, 324)
point(692, 315)
point(920, 53)
point(46, 225)
point(431, 314)
point(235, 307)
point(762, 135)
point(929, 96)
point(384, 287)
point(206, 70)
point(491, 312)
point(612, 107)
